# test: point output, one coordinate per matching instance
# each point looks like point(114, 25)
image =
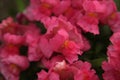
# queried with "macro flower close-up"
point(60, 40)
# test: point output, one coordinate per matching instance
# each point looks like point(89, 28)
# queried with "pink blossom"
point(70, 51)
point(69, 41)
point(44, 76)
point(45, 47)
point(77, 3)
point(10, 72)
point(8, 25)
point(86, 45)
point(11, 66)
point(48, 63)
point(94, 6)
point(62, 25)
point(7, 50)
point(40, 12)
point(89, 23)
point(18, 60)
point(40, 9)
point(61, 7)
point(64, 71)
point(34, 53)
point(57, 50)
point(76, 15)
point(114, 21)
point(13, 39)
point(38, 2)
point(103, 9)
point(112, 67)
point(110, 9)
point(32, 41)
point(58, 39)
point(11, 62)
point(6, 22)
point(110, 72)
point(114, 51)
point(115, 40)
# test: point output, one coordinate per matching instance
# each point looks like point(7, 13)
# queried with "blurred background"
point(11, 7)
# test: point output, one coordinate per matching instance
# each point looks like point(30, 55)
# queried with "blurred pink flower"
point(11, 66)
point(112, 67)
point(63, 71)
point(89, 23)
point(110, 73)
point(13, 39)
point(69, 41)
point(114, 21)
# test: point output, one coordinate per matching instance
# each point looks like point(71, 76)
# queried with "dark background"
point(11, 7)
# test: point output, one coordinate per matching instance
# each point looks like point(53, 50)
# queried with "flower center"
point(92, 14)
point(112, 16)
point(46, 5)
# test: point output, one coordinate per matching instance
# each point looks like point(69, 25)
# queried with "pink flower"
point(34, 53)
point(86, 72)
point(110, 9)
point(37, 2)
point(38, 12)
point(77, 4)
point(114, 21)
point(11, 66)
point(86, 45)
point(112, 67)
point(40, 9)
point(32, 42)
point(11, 63)
point(8, 26)
point(10, 72)
point(58, 39)
point(94, 6)
point(110, 72)
point(115, 40)
point(13, 39)
point(18, 60)
point(7, 50)
point(114, 51)
point(69, 41)
point(45, 47)
point(6, 22)
point(48, 63)
point(89, 23)
point(76, 15)
point(44, 76)
point(11, 27)
point(64, 71)
point(61, 7)
point(70, 51)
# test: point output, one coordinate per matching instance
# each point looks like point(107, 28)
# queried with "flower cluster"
point(112, 67)
point(51, 32)
point(86, 14)
point(74, 71)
